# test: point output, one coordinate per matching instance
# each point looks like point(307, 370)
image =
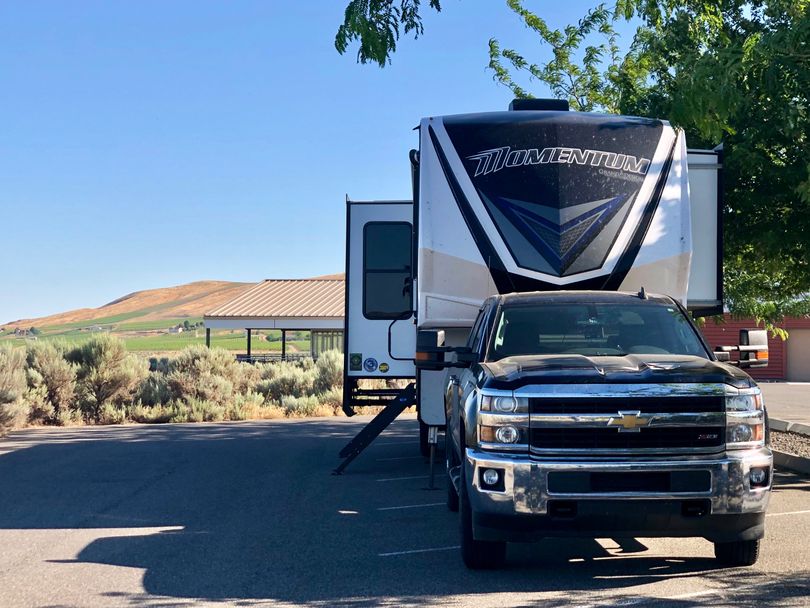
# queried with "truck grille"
point(648, 405)
point(610, 438)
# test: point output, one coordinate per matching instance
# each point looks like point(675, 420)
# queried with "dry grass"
point(190, 300)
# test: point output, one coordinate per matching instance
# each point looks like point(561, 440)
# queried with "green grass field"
point(154, 336)
point(102, 322)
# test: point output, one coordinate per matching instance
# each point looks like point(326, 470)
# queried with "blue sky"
point(151, 143)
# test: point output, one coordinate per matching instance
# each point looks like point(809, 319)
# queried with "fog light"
point(507, 434)
point(741, 433)
point(490, 477)
point(758, 476)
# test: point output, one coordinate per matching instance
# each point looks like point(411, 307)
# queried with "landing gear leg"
point(433, 439)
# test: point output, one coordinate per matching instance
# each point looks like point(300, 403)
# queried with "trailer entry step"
point(394, 407)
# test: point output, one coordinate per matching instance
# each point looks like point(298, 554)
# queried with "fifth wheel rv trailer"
point(515, 297)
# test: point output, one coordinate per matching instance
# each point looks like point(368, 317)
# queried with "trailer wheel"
point(450, 458)
point(477, 554)
point(738, 553)
point(424, 446)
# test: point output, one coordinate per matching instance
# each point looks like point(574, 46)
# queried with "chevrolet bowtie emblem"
point(629, 421)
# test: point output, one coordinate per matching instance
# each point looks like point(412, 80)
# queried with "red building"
point(788, 359)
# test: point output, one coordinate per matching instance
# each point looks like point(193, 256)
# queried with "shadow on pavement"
point(259, 517)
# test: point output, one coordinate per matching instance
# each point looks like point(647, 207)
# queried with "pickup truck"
point(602, 414)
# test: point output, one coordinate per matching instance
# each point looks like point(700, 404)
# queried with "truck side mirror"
point(430, 349)
point(753, 348)
point(465, 358)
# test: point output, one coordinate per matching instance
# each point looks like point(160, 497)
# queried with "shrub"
point(328, 371)
point(196, 360)
point(332, 398)
point(154, 390)
point(305, 364)
point(207, 375)
point(112, 414)
point(40, 409)
point(246, 377)
point(295, 407)
point(150, 414)
point(106, 373)
point(290, 381)
point(196, 410)
point(244, 406)
point(52, 379)
point(267, 371)
point(68, 417)
point(13, 410)
point(159, 365)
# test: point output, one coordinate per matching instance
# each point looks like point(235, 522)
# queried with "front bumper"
point(526, 508)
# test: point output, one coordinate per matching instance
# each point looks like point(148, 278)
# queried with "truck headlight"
point(504, 404)
point(744, 403)
point(745, 420)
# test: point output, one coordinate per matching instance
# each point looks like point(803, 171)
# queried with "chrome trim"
point(748, 445)
point(750, 417)
point(712, 449)
point(492, 419)
point(523, 448)
point(526, 481)
point(568, 391)
point(494, 392)
point(679, 419)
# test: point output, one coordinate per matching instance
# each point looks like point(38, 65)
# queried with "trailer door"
point(379, 290)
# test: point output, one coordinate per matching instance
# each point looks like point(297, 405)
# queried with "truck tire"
point(477, 554)
point(738, 553)
point(450, 458)
point(424, 446)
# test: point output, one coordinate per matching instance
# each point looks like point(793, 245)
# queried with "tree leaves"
point(582, 73)
point(736, 72)
point(377, 24)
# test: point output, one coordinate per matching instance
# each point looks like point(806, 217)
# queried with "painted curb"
point(791, 462)
point(784, 426)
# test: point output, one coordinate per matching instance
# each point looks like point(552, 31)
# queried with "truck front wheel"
point(477, 554)
point(738, 553)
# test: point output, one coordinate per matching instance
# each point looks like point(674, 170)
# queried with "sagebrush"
point(99, 382)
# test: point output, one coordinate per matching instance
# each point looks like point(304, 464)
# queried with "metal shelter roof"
point(300, 303)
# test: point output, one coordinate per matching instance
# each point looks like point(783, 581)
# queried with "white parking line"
point(787, 513)
point(412, 551)
point(404, 478)
point(430, 504)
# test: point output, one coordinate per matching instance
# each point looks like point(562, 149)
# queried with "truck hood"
point(513, 372)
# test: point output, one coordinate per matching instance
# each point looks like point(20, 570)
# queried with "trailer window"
point(386, 269)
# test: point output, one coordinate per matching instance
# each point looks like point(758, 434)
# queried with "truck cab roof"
point(578, 297)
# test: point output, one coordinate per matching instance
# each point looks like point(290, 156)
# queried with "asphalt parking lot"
point(248, 514)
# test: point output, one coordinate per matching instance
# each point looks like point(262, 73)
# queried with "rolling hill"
point(169, 303)
point(143, 319)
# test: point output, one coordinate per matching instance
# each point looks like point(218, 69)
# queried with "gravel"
point(791, 443)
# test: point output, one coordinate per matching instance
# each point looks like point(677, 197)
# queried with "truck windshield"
point(603, 329)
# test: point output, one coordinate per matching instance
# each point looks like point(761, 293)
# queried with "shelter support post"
point(208, 337)
point(283, 344)
point(249, 335)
